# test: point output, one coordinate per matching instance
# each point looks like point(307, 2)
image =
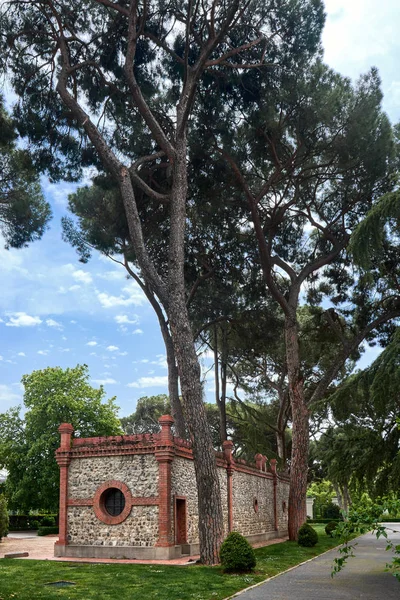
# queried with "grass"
point(27, 579)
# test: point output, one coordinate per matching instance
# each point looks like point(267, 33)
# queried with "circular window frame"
point(99, 506)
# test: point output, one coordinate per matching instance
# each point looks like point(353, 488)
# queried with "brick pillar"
point(165, 455)
point(63, 459)
point(272, 462)
point(230, 467)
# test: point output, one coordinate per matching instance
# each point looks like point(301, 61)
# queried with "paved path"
point(363, 577)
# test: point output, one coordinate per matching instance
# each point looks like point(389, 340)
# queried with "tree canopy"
point(24, 213)
point(28, 441)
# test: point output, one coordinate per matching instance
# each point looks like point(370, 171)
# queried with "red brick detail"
point(80, 502)
point(63, 516)
point(98, 502)
point(135, 501)
point(272, 462)
point(66, 431)
point(63, 460)
point(166, 422)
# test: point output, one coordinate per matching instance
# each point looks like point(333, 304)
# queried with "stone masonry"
point(153, 479)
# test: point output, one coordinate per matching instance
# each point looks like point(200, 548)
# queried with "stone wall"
point(139, 529)
point(253, 503)
point(139, 473)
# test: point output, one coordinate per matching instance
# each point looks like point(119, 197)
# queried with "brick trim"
point(98, 502)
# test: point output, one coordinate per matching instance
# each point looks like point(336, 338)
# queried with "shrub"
point(236, 553)
point(3, 517)
point(47, 530)
point(307, 535)
point(48, 521)
point(330, 528)
point(35, 524)
point(331, 511)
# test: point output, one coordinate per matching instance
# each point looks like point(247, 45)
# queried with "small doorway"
point(180, 521)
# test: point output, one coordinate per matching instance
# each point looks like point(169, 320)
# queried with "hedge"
point(47, 530)
point(24, 522)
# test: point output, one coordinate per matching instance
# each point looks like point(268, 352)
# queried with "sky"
point(55, 311)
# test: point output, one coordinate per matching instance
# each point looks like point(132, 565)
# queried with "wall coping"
point(150, 443)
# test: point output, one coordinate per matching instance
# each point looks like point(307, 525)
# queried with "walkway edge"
point(283, 572)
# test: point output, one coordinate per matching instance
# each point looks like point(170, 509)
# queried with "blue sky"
point(54, 311)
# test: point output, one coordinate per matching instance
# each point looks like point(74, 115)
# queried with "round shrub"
point(48, 521)
point(236, 553)
point(330, 528)
point(307, 536)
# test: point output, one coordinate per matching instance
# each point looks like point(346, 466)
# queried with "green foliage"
point(3, 517)
point(331, 511)
point(364, 517)
point(145, 418)
point(372, 236)
point(28, 443)
point(24, 213)
point(330, 528)
point(48, 521)
point(47, 530)
point(307, 536)
point(361, 448)
point(236, 553)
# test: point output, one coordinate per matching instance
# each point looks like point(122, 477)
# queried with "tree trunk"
point(173, 387)
point(209, 495)
point(300, 432)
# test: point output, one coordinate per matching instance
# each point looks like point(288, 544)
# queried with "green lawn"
point(27, 579)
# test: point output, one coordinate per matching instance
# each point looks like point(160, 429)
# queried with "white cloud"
point(146, 382)
point(112, 348)
point(82, 276)
point(21, 354)
point(108, 381)
point(8, 397)
point(161, 361)
point(1, 358)
point(132, 295)
point(137, 332)
point(124, 319)
point(43, 352)
point(53, 323)
point(92, 343)
point(21, 319)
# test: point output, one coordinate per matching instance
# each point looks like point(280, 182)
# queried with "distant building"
point(135, 496)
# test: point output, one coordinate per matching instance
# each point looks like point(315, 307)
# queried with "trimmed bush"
point(48, 521)
point(236, 553)
point(47, 530)
point(307, 536)
point(330, 528)
point(331, 511)
point(3, 517)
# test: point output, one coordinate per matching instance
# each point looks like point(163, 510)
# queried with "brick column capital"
point(166, 422)
point(272, 462)
point(66, 431)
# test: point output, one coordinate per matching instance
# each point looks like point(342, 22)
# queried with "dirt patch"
point(40, 548)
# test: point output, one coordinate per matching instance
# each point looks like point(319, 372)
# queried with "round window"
point(113, 501)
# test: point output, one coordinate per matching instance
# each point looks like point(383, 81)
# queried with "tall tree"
point(24, 213)
point(28, 442)
point(114, 84)
point(304, 155)
point(101, 225)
